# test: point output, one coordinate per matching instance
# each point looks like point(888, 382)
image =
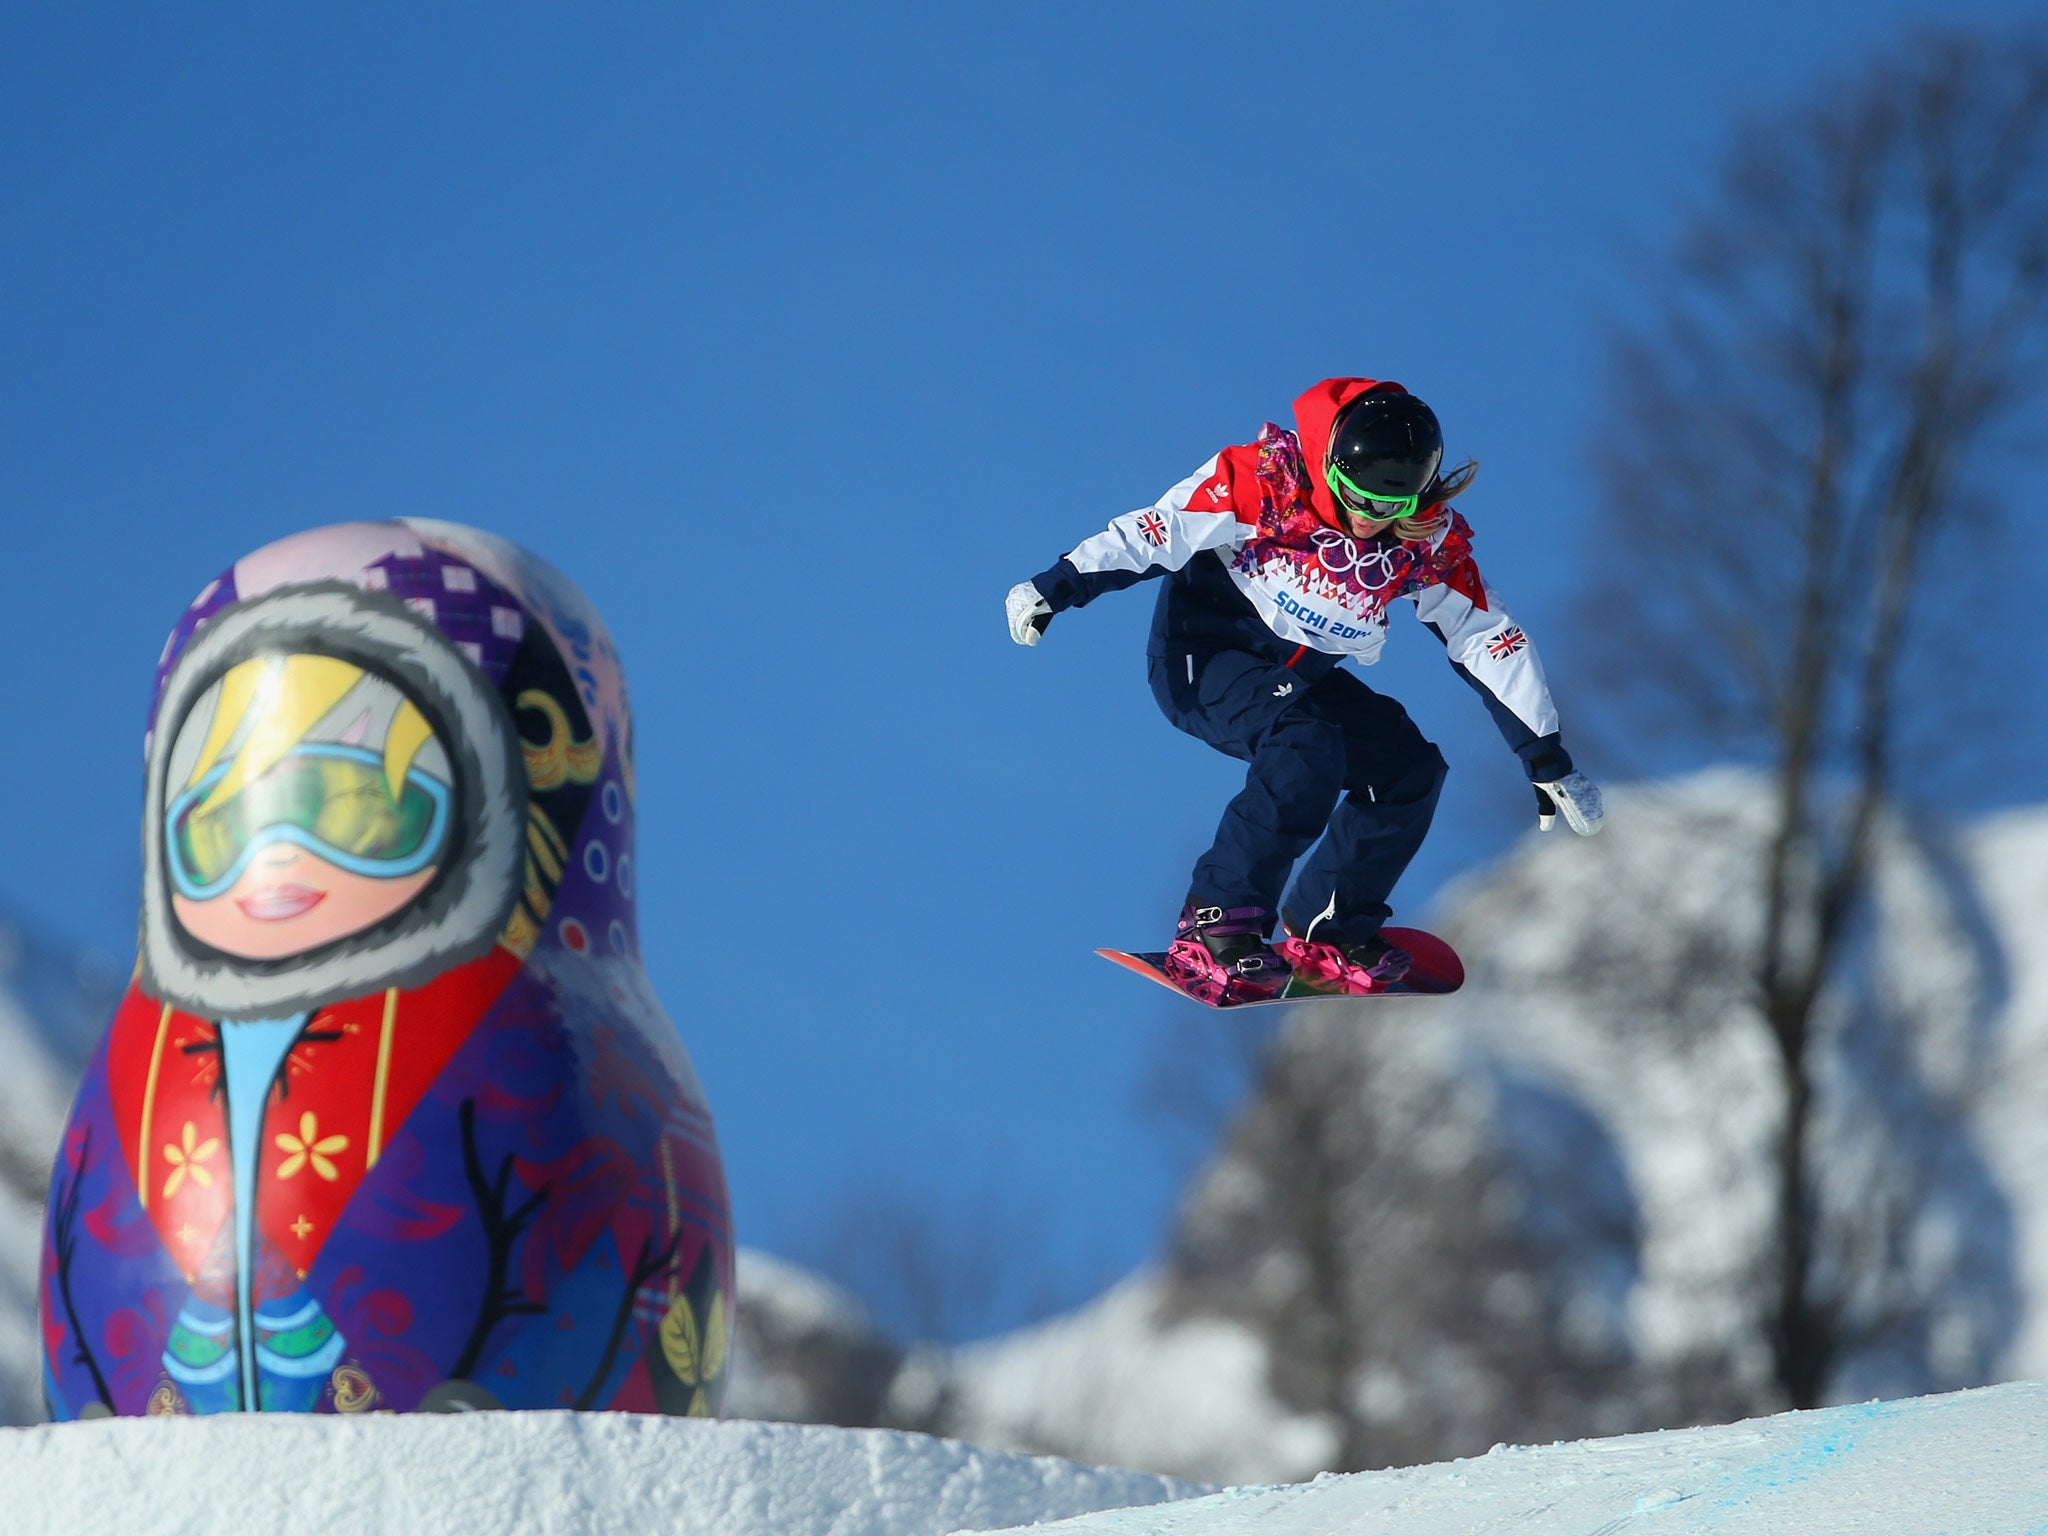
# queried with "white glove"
point(1577, 796)
point(1029, 613)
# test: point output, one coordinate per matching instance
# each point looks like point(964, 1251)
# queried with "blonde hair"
point(1434, 511)
point(290, 695)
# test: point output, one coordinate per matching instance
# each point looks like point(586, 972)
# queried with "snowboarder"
point(1281, 557)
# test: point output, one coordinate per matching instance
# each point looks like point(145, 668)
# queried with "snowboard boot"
point(1220, 955)
point(1327, 956)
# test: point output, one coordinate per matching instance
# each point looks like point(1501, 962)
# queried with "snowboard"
point(1437, 970)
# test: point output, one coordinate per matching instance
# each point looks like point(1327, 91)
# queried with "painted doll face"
point(311, 802)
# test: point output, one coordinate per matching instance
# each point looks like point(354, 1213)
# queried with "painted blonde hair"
point(289, 695)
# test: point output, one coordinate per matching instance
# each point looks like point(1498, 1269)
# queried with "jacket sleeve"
point(1197, 514)
point(1490, 651)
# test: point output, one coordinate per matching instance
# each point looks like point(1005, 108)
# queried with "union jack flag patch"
point(1153, 526)
point(1506, 643)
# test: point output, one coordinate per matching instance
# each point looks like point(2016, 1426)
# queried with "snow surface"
point(21, 1230)
point(2009, 854)
point(1634, 1006)
point(50, 1005)
point(806, 1352)
point(1933, 1106)
point(806, 1302)
point(1961, 948)
point(565, 1474)
point(1116, 1381)
point(1973, 1462)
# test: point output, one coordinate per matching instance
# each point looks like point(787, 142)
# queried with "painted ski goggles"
point(1363, 503)
point(329, 799)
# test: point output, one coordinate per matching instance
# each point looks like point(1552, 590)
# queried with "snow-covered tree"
point(1798, 463)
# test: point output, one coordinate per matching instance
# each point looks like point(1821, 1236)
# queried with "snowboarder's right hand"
point(1029, 613)
point(1577, 797)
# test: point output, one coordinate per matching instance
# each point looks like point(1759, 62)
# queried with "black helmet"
point(1385, 448)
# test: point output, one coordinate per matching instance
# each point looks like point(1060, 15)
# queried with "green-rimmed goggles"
point(1362, 503)
point(326, 798)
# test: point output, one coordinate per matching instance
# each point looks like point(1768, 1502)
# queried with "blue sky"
point(796, 334)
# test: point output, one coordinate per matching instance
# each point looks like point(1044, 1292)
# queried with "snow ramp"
point(1966, 1464)
point(1969, 1464)
point(547, 1474)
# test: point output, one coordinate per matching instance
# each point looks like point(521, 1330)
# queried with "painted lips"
point(275, 903)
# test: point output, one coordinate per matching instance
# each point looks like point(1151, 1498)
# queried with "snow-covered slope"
point(52, 1005)
point(1974, 1462)
point(45, 997)
point(1541, 1208)
point(1543, 1199)
point(806, 1351)
point(1969, 1464)
point(1615, 973)
point(497, 1474)
point(1123, 1381)
point(2009, 856)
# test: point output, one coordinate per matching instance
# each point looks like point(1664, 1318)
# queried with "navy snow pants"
point(1329, 759)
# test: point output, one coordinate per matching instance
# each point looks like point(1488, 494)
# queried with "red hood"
point(1315, 412)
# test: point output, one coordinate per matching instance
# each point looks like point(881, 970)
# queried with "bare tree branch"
point(1857, 314)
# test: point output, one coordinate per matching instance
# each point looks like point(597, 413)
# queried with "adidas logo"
point(1283, 690)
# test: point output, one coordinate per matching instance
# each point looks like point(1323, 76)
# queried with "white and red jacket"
point(1259, 561)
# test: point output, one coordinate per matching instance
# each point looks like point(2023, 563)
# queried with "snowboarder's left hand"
point(1576, 797)
point(1029, 613)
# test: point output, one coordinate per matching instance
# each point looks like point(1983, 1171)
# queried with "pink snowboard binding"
point(1220, 956)
point(1359, 972)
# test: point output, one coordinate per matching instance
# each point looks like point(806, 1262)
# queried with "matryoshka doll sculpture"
point(389, 1118)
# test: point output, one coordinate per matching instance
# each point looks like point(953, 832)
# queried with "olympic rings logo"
point(1371, 566)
